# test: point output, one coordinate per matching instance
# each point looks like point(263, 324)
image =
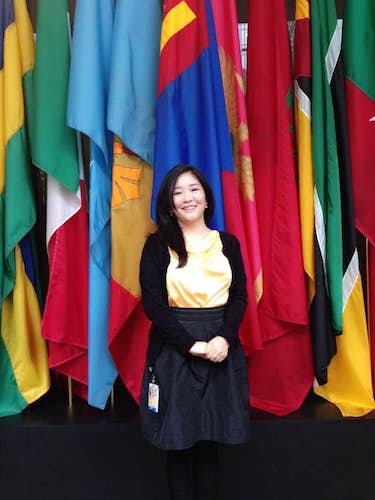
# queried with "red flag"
point(65, 315)
point(281, 374)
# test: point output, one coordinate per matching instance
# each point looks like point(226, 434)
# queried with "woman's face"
point(189, 199)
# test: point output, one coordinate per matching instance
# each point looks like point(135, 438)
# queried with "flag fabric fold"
point(281, 374)
point(54, 147)
point(349, 373)
point(131, 116)
point(24, 374)
point(87, 112)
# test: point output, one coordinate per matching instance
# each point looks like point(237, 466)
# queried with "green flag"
point(327, 199)
point(54, 145)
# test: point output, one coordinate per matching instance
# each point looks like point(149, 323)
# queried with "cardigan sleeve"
point(237, 302)
point(154, 301)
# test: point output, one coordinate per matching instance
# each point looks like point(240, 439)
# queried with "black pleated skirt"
point(198, 399)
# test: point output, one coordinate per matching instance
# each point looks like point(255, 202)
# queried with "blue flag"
point(132, 93)
point(87, 112)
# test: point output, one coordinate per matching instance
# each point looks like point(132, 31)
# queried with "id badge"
point(153, 397)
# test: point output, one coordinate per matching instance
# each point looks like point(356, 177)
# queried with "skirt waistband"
point(198, 313)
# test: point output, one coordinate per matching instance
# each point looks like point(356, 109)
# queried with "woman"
point(195, 390)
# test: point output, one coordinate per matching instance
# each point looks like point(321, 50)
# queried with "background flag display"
point(87, 112)
point(24, 374)
point(157, 83)
point(349, 373)
point(55, 151)
point(131, 116)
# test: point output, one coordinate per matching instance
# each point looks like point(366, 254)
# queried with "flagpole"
point(70, 393)
point(113, 398)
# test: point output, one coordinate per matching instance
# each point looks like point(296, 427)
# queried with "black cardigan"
point(165, 327)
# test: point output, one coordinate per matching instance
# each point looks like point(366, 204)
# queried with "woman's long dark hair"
point(169, 230)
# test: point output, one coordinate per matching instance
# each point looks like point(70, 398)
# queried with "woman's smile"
point(189, 199)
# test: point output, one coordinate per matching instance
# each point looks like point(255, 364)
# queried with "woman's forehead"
point(187, 179)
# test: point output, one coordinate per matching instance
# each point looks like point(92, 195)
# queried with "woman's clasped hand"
point(216, 350)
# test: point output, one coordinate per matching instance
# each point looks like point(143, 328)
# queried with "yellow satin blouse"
point(205, 279)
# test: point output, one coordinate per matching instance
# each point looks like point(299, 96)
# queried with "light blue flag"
point(132, 94)
point(87, 112)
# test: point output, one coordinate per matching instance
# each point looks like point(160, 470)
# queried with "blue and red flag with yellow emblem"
point(192, 125)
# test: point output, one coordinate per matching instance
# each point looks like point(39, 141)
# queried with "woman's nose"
point(187, 195)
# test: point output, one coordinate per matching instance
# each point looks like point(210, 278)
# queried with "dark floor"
point(53, 452)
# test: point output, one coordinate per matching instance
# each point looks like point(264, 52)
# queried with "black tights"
point(193, 473)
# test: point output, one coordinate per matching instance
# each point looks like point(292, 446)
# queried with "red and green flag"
point(359, 57)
